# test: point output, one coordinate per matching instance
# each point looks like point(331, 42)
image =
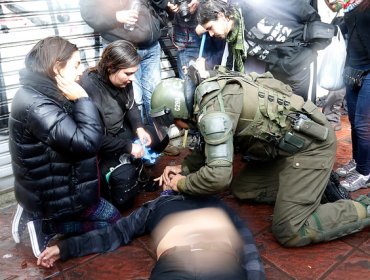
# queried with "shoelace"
point(349, 166)
point(352, 179)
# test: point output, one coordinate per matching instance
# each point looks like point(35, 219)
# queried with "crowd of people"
point(78, 139)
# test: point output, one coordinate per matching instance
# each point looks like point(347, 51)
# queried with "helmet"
point(168, 102)
point(169, 94)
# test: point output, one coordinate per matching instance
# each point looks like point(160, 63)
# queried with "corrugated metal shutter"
point(23, 23)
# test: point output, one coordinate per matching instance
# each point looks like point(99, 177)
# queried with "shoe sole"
point(15, 224)
point(33, 237)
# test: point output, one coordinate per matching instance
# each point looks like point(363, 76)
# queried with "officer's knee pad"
point(290, 237)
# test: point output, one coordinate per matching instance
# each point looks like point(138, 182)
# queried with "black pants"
point(203, 264)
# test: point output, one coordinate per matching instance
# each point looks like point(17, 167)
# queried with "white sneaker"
point(346, 169)
point(355, 181)
point(39, 240)
point(19, 223)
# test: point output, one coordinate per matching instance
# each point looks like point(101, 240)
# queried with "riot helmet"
point(168, 102)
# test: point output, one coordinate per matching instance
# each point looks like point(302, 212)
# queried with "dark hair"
point(208, 10)
point(364, 5)
point(118, 55)
point(47, 52)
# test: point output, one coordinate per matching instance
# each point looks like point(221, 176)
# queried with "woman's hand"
point(127, 16)
point(49, 256)
point(144, 136)
point(168, 173)
point(70, 89)
point(137, 150)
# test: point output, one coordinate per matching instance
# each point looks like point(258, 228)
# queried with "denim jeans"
point(188, 43)
point(358, 102)
point(147, 78)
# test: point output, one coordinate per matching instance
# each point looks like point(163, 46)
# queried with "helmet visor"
point(162, 121)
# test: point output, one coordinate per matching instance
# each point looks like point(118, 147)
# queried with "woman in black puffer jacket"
point(55, 134)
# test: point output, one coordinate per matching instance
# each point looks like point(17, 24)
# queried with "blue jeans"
point(358, 102)
point(147, 78)
point(188, 43)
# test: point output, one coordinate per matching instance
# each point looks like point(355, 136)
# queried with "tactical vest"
point(259, 105)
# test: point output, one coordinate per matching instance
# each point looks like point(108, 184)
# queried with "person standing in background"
point(188, 42)
point(136, 21)
point(271, 31)
point(357, 80)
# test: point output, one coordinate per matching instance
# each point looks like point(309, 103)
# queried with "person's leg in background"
point(187, 43)
point(213, 51)
point(147, 78)
point(332, 107)
point(358, 101)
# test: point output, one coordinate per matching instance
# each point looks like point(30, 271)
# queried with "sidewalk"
point(346, 258)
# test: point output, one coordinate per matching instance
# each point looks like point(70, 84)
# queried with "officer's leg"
point(256, 181)
point(299, 218)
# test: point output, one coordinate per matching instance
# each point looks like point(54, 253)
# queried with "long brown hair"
point(47, 53)
point(117, 55)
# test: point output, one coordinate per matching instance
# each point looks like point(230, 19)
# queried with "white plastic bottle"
point(135, 5)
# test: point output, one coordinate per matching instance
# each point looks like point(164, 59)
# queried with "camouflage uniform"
point(250, 113)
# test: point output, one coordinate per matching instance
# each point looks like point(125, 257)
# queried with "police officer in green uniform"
point(287, 142)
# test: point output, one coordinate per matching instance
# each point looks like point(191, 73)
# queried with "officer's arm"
point(215, 176)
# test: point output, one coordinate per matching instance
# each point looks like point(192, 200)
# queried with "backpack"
point(259, 105)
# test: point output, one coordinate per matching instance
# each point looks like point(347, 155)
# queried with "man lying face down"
point(194, 237)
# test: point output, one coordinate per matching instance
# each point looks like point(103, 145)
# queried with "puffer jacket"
point(53, 145)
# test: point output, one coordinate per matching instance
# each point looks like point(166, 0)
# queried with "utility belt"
point(354, 77)
point(293, 141)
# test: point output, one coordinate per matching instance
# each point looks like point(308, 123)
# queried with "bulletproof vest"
point(258, 103)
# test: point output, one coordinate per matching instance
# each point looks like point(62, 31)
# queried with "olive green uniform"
point(294, 180)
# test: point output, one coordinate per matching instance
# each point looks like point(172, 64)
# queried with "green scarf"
point(236, 40)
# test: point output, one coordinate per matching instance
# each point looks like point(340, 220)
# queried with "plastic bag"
point(330, 72)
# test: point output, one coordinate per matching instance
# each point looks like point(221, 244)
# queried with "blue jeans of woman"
point(358, 102)
point(147, 78)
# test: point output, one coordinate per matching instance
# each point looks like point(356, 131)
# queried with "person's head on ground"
point(54, 56)
point(216, 17)
point(119, 63)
